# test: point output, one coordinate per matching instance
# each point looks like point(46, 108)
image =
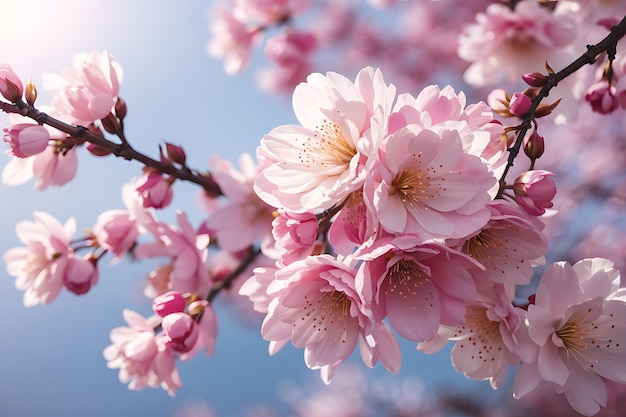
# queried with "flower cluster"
point(412, 238)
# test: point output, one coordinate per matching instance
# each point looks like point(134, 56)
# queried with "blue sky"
point(51, 360)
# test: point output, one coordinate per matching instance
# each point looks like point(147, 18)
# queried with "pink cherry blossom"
point(187, 271)
point(255, 288)
point(576, 334)
point(116, 231)
point(602, 97)
point(88, 90)
point(316, 306)
point(80, 275)
point(534, 191)
point(168, 303)
point(505, 43)
point(316, 165)
point(26, 139)
point(243, 219)
point(11, 86)
point(417, 288)
point(52, 167)
point(180, 332)
point(295, 235)
point(508, 247)
point(40, 266)
point(141, 357)
point(231, 39)
point(484, 345)
point(154, 189)
point(426, 185)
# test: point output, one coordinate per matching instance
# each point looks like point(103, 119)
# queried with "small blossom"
point(26, 139)
point(519, 104)
point(168, 303)
point(180, 332)
point(80, 275)
point(154, 189)
point(116, 231)
point(602, 97)
point(534, 191)
point(11, 87)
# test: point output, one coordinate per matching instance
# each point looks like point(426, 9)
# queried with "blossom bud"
point(154, 190)
point(26, 139)
point(169, 303)
point(534, 147)
point(11, 86)
point(180, 332)
point(535, 79)
point(534, 191)
point(519, 104)
point(96, 150)
point(175, 153)
point(111, 124)
point(31, 93)
point(120, 108)
point(197, 307)
point(80, 275)
point(602, 98)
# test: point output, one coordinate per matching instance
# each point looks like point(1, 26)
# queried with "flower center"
point(405, 277)
point(328, 147)
point(573, 336)
point(413, 184)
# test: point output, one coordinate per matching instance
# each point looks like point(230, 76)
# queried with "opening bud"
point(168, 303)
point(535, 79)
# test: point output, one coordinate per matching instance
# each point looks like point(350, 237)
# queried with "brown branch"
point(589, 57)
point(122, 150)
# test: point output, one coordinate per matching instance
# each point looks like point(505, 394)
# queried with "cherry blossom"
point(534, 191)
point(576, 330)
point(142, 358)
point(40, 266)
point(232, 40)
point(88, 90)
point(11, 86)
point(321, 157)
point(26, 139)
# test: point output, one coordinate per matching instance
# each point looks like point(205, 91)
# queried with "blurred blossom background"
point(51, 360)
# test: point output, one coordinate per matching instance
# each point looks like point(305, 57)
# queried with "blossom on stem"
point(180, 331)
point(316, 305)
point(317, 164)
point(11, 86)
point(534, 191)
point(142, 357)
point(80, 275)
point(26, 139)
point(232, 40)
point(168, 303)
point(576, 334)
point(40, 266)
point(154, 189)
point(602, 96)
point(88, 90)
point(116, 231)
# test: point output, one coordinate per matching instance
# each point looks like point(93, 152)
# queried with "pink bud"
point(175, 153)
point(519, 104)
point(180, 332)
point(535, 79)
point(154, 190)
point(116, 231)
point(11, 86)
point(601, 96)
point(80, 275)
point(168, 303)
point(534, 191)
point(26, 139)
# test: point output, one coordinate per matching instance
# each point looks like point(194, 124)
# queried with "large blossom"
point(317, 164)
point(576, 334)
point(88, 90)
point(315, 305)
point(484, 345)
point(426, 185)
point(417, 287)
point(39, 267)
